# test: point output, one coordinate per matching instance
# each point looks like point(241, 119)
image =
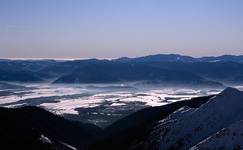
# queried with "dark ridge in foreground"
point(29, 128)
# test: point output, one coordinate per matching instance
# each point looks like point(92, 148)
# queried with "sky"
point(117, 28)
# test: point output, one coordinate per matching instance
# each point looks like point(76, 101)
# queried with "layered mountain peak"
point(184, 129)
point(230, 91)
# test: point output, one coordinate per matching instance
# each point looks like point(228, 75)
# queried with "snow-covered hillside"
point(187, 127)
point(230, 138)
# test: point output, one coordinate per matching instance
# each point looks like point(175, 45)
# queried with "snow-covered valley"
point(96, 103)
point(188, 122)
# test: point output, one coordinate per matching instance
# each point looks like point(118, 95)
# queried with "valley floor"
point(100, 104)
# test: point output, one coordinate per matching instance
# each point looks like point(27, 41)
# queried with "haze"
point(108, 28)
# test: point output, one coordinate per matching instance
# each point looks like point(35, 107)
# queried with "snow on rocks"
point(187, 127)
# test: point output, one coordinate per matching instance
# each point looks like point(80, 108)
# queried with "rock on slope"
point(187, 127)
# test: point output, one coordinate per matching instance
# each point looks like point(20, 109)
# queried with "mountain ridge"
point(185, 58)
point(163, 68)
point(188, 127)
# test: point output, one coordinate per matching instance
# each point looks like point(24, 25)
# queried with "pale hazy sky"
point(115, 28)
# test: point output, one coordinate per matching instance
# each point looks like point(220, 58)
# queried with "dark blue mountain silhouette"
point(167, 69)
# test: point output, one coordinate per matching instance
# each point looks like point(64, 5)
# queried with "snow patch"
point(45, 139)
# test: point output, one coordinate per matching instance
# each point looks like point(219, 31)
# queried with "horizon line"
point(85, 58)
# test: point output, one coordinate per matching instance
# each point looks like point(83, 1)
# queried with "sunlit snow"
point(64, 99)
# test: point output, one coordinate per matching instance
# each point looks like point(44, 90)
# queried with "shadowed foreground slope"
point(35, 128)
point(22, 129)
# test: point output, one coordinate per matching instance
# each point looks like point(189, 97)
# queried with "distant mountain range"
point(167, 69)
point(182, 58)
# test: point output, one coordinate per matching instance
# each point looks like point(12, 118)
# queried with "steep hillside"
point(229, 138)
point(131, 130)
point(187, 127)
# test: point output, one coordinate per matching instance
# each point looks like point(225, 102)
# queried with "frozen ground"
point(100, 104)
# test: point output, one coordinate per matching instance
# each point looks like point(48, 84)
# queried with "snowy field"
point(96, 103)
